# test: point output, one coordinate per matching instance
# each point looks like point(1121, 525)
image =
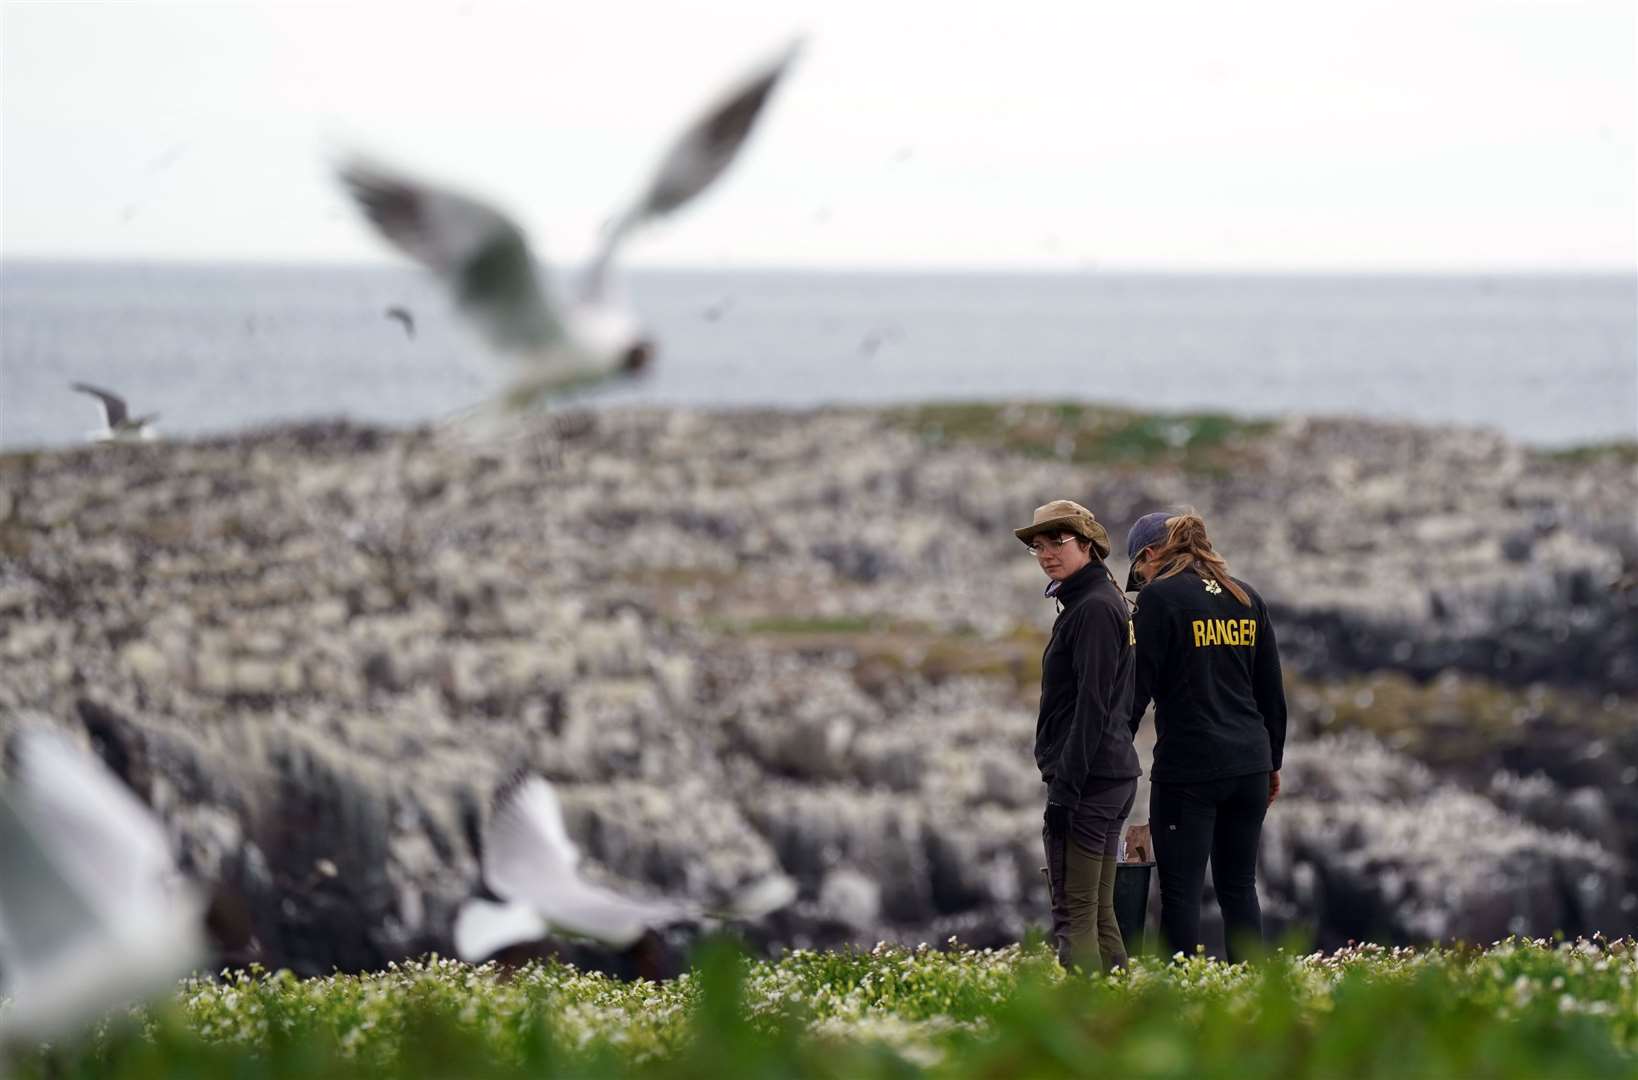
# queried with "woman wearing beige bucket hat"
point(1083, 737)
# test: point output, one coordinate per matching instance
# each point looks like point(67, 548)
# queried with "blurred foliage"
point(1456, 718)
point(806, 625)
point(1621, 451)
point(885, 650)
point(1516, 1009)
point(1093, 434)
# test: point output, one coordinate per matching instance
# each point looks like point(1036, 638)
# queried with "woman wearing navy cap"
point(1206, 656)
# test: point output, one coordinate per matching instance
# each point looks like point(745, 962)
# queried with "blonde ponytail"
point(1187, 547)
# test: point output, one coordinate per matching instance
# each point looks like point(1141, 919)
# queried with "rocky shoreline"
point(749, 642)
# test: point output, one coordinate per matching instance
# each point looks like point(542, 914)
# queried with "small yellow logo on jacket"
point(1224, 632)
point(1213, 588)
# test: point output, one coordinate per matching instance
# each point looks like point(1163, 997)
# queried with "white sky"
point(1264, 134)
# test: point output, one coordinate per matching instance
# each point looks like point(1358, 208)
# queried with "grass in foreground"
point(1518, 1009)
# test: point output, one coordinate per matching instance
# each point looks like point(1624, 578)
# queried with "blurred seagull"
point(485, 257)
point(532, 867)
point(405, 317)
point(118, 423)
point(714, 311)
point(93, 913)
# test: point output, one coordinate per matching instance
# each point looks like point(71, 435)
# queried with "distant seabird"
point(874, 339)
point(118, 423)
point(93, 914)
point(485, 257)
point(531, 868)
point(403, 315)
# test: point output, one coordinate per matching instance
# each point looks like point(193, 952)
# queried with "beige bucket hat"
point(1063, 515)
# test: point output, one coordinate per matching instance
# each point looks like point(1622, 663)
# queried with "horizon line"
point(1085, 268)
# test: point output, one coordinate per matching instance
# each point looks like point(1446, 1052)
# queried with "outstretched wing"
point(699, 155)
point(483, 928)
point(528, 859)
point(42, 913)
point(105, 839)
point(761, 899)
point(113, 406)
point(525, 827)
point(478, 250)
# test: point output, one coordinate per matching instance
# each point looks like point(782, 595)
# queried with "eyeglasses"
point(1039, 549)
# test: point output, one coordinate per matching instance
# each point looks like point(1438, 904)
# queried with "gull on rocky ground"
point(593, 337)
point(531, 868)
point(118, 425)
point(93, 913)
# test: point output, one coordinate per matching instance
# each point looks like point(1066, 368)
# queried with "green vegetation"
point(1092, 434)
point(1455, 718)
point(1518, 1009)
point(886, 650)
point(1624, 451)
point(804, 625)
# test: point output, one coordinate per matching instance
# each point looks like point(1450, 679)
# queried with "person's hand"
point(1273, 786)
point(1140, 844)
point(1057, 818)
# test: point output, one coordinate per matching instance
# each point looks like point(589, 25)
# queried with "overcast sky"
point(1266, 134)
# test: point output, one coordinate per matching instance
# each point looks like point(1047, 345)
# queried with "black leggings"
point(1217, 819)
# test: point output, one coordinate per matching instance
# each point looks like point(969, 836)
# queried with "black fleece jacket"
point(1084, 729)
point(1213, 670)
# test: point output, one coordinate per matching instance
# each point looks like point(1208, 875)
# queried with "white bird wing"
point(42, 914)
point(88, 919)
point(529, 859)
point(575, 906)
point(526, 827)
point(107, 842)
point(761, 898)
point(700, 155)
point(481, 253)
point(114, 410)
point(483, 928)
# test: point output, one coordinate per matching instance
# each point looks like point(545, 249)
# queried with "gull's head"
point(639, 355)
point(611, 334)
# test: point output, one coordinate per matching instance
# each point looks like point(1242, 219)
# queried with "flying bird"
point(405, 317)
point(118, 425)
point(592, 336)
point(531, 868)
point(875, 338)
point(93, 914)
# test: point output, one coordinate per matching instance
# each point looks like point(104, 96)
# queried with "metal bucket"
point(1132, 902)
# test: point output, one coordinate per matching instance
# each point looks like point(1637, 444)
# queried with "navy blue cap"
point(1147, 531)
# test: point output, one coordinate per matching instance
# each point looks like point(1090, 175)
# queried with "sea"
point(1551, 360)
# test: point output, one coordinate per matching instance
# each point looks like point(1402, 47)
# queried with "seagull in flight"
point(93, 914)
point(592, 337)
point(118, 425)
point(531, 868)
point(405, 317)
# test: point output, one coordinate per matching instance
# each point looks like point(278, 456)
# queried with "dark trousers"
point(1220, 820)
point(1081, 877)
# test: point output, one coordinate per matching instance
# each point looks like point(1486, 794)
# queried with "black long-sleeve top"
point(1213, 670)
point(1083, 730)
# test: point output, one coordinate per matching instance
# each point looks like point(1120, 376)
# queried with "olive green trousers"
point(1081, 879)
